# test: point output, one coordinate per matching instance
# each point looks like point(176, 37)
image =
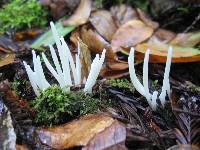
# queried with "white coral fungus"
point(144, 89)
point(63, 69)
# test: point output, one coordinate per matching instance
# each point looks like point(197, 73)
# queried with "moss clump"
point(55, 106)
point(20, 14)
point(121, 84)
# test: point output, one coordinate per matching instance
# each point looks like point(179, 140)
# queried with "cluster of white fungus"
point(68, 73)
point(144, 89)
point(62, 71)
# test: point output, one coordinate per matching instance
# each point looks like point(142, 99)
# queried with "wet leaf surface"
point(91, 131)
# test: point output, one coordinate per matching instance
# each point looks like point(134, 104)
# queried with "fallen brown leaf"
point(85, 57)
point(6, 58)
point(131, 33)
point(96, 43)
point(117, 65)
point(146, 19)
point(159, 52)
point(164, 35)
point(25, 35)
point(110, 74)
point(59, 8)
point(7, 45)
point(96, 131)
point(81, 14)
point(123, 14)
point(186, 39)
point(103, 22)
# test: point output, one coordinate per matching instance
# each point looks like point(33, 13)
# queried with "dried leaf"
point(6, 59)
point(81, 14)
point(186, 39)
point(47, 38)
point(96, 43)
point(85, 59)
point(117, 65)
point(59, 8)
point(25, 35)
point(103, 22)
point(159, 52)
point(131, 33)
point(110, 74)
point(146, 19)
point(123, 14)
point(96, 131)
point(164, 35)
point(7, 45)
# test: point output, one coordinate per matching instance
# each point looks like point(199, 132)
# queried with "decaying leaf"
point(186, 39)
point(96, 131)
point(159, 52)
point(6, 58)
point(131, 33)
point(123, 14)
point(117, 65)
point(146, 19)
point(164, 35)
point(85, 59)
point(60, 8)
point(7, 45)
point(28, 34)
point(96, 43)
point(81, 14)
point(103, 22)
point(110, 74)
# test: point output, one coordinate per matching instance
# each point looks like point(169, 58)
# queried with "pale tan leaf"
point(81, 14)
point(123, 14)
point(130, 34)
point(96, 131)
point(103, 22)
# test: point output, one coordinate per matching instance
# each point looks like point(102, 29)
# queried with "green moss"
point(22, 14)
point(16, 85)
point(55, 106)
point(121, 84)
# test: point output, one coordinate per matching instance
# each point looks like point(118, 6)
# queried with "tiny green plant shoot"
point(22, 14)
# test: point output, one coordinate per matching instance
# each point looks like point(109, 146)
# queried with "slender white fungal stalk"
point(94, 72)
point(31, 77)
point(144, 89)
point(71, 61)
point(63, 69)
point(154, 98)
point(145, 76)
point(135, 81)
point(36, 77)
point(166, 85)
